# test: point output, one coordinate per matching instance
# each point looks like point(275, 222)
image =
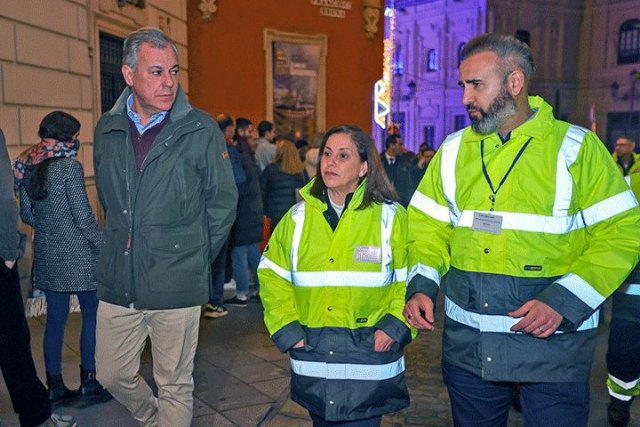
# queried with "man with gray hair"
point(534, 228)
point(166, 186)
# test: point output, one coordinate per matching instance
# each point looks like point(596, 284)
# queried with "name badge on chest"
point(487, 223)
point(368, 254)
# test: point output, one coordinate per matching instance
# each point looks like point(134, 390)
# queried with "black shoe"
point(90, 387)
point(57, 391)
point(236, 302)
point(618, 415)
point(255, 298)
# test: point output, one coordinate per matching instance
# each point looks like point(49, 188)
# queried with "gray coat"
point(67, 238)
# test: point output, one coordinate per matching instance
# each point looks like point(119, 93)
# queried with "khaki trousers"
point(121, 333)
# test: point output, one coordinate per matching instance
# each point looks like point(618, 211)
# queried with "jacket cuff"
point(422, 284)
point(396, 329)
point(572, 309)
point(287, 336)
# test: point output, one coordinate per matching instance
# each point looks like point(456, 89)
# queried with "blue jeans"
point(245, 260)
point(479, 403)
point(57, 313)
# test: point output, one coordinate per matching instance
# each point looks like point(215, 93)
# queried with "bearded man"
point(534, 228)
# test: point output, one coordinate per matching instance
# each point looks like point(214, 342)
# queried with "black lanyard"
point(504, 178)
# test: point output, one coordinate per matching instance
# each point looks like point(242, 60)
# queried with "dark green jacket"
point(164, 224)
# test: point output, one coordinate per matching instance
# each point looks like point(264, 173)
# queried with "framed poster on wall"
point(295, 83)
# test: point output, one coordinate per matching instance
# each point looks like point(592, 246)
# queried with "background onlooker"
point(53, 201)
point(281, 180)
point(312, 156)
point(266, 148)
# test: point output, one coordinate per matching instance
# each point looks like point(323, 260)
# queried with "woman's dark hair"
point(57, 125)
point(379, 189)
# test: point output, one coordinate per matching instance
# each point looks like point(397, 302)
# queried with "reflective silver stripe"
point(619, 396)
point(625, 385)
point(348, 371)
point(498, 323)
point(423, 270)
point(429, 206)
point(297, 215)
point(386, 228)
point(450, 148)
point(630, 289)
point(360, 279)
point(610, 207)
point(580, 288)
point(628, 180)
point(529, 222)
point(401, 274)
point(267, 263)
point(566, 157)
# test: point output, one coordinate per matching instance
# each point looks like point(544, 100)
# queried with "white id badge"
point(368, 254)
point(487, 223)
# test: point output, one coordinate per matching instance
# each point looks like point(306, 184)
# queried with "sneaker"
point(236, 302)
point(57, 420)
point(214, 311)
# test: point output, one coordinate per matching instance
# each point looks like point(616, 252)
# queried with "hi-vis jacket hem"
point(623, 390)
point(561, 228)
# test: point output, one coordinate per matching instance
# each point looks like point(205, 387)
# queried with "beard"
point(499, 112)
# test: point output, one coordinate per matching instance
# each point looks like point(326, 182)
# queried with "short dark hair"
point(512, 52)
point(264, 127)
point(241, 123)
point(224, 121)
point(379, 189)
point(392, 140)
point(136, 39)
point(59, 125)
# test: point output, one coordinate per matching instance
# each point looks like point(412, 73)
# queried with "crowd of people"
point(524, 221)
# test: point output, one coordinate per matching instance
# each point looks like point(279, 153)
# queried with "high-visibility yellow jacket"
point(334, 288)
point(568, 237)
point(635, 166)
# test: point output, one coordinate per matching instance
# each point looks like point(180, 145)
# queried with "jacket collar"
point(356, 199)
point(116, 118)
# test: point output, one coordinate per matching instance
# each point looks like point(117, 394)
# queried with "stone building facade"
point(576, 45)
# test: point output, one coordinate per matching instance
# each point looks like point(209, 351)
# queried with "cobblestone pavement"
point(241, 379)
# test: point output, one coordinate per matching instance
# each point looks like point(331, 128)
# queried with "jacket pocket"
point(176, 262)
point(106, 271)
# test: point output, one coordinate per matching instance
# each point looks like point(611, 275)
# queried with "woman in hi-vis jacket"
point(332, 281)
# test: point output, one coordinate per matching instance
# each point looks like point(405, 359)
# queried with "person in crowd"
point(302, 145)
point(628, 161)
point(247, 231)
point(53, 200)
point(166, 185)
point(28, 395)
point(214, 309)
point(402, 172)
point(424, 156)
point(623, 350)
point(519, 210)
point(266, 149)
point(281, 181)
point(312, 156)
point(332, 283)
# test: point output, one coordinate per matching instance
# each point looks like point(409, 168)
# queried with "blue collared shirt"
point(135, 117)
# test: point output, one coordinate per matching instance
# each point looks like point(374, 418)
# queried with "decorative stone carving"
point(371, 13)
point(208, 8)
